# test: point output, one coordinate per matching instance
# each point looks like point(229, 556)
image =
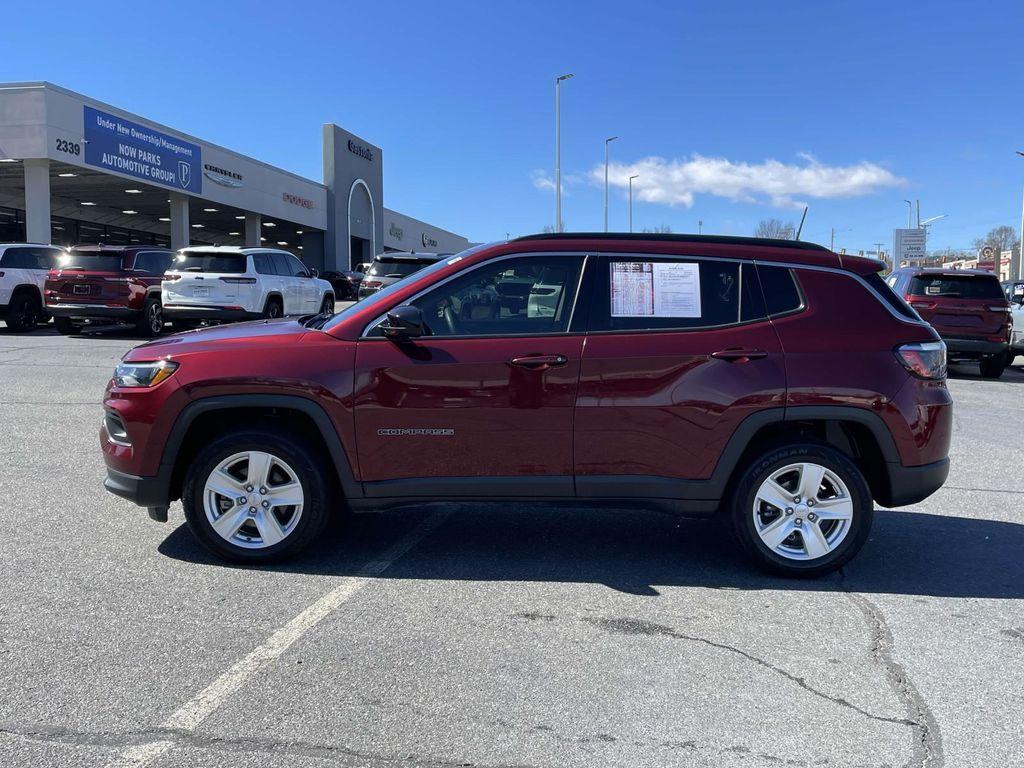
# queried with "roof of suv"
point(939, 271)
point(764, 249)
point(114, 249)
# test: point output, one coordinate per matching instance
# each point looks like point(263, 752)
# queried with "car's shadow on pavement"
point(912, 553)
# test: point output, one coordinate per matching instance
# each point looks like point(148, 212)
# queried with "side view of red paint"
point(774, 382)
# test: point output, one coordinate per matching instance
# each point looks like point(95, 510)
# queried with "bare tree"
point(1001, 239)
point(775, 229)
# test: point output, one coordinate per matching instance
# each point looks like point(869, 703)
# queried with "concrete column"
point(179, 221)
point(37, 201)
point(253, 230)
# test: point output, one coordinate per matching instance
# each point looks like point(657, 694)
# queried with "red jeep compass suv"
point(967, 307)
point(773, 382)
point(109, 283)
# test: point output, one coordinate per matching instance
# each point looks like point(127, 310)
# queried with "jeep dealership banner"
point(115, 144)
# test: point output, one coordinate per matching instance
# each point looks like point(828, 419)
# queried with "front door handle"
point(739, 355)
point(539, 362)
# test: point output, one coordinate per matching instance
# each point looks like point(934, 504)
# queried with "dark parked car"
point(389, 268)
point(772, 382)
point(108, 283)
point(967, 307)
point(345, 283)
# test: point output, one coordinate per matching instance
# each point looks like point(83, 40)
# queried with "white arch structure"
point(373, 220)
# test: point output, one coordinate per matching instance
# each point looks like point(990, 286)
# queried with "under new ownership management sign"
point(115, 144)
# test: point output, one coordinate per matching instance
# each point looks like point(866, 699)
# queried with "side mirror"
point(404, 322)
point(313, 272)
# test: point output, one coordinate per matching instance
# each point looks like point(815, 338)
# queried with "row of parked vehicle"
point(147, 287)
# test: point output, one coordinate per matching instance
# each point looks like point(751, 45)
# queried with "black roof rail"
point(680, 238)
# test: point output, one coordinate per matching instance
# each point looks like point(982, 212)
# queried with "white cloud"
point(541, 180)
point(677, 182)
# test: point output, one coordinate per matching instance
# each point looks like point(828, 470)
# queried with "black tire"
point(65, 327)
point(741, 510)
point(23, 312)
point(327, 305)
point(310, 472)
point(151, 320)
point(273, 309)
point(993, 367)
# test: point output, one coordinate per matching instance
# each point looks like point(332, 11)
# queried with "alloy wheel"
point(803, 511)
point(253, 500)
point(156, 318)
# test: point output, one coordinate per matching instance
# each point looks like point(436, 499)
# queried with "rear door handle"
point(739, 355)
point(539, 362)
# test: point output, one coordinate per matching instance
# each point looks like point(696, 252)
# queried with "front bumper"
point(974, 347)
point(149, 492)
point(195, 312)
point(92, 310)
point(909, 485)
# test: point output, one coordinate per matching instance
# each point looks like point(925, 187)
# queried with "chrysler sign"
point(359, 149)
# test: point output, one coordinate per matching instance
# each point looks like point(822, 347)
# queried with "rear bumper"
point(195, 312)
point(974, 347)
point(909, 485)
point(91, 310)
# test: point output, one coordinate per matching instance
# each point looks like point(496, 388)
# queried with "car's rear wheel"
point(273, 309)
point(993, 367)
point(151, 321)
point(65, 327)
point(23, 312)
point(802, 510)
point(256, 496)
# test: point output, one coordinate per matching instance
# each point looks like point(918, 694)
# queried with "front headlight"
point(143, 374)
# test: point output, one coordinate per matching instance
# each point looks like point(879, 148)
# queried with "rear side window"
point(956, 286)
point(195, 261)
point(650, 293)
point(781, 293)
point(886, 289)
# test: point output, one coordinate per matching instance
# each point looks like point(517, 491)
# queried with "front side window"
point(510, 297)
point(649, 293)
point(295, 267)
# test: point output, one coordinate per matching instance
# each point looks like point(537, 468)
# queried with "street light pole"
point(910, 214)
point(558, 153)
point(634, 176)
point(606, 143)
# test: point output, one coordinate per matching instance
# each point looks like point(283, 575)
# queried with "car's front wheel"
point(256, 496)
point(802, 510)
point(993, 367)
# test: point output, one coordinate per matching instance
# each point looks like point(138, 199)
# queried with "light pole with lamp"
point(558, 152)
point(607, 141)
point(910, 214)
point(634, 176)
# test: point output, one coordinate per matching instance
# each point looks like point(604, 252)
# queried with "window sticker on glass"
point(655, 289)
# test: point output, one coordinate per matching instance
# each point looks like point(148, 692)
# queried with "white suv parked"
point(23, 269)
point(218, 283)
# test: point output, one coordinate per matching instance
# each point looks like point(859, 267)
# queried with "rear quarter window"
point(781, 294)
point(886, 290)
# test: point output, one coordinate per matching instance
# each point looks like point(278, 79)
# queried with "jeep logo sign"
point(428, 241)
point(359, 149)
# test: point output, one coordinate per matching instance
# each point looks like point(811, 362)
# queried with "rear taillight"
point(240, 280)
point(918, 304)
point(170, 278)
point(926, 360)
point(371, 284)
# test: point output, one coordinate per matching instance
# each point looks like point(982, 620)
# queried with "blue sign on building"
point(116, 144)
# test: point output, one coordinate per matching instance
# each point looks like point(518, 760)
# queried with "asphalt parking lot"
point(455, 636)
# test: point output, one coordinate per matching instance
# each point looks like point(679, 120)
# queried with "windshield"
point(956, 286)
point(230, 263)
point(94, 261)
point(394, 268)
point(383, 297)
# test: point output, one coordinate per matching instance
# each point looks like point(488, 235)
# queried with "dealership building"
point(75, 170)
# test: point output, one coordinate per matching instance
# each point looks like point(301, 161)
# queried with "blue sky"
point(753, 108)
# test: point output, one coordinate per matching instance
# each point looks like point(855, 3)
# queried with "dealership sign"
point(115, 144)
point(358, 149)
point(222, 176)
point(302, 202)
point(908, 244)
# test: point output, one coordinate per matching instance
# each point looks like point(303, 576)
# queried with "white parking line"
point(193, 712)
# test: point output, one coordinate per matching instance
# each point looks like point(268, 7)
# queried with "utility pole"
point(832, 242)
point(606, 143)
point(635, 175)
point(918, 214)
point(910, 214)
point(558, 153)
point(700, 226)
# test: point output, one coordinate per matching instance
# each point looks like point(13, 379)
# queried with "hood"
point(234, 336)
